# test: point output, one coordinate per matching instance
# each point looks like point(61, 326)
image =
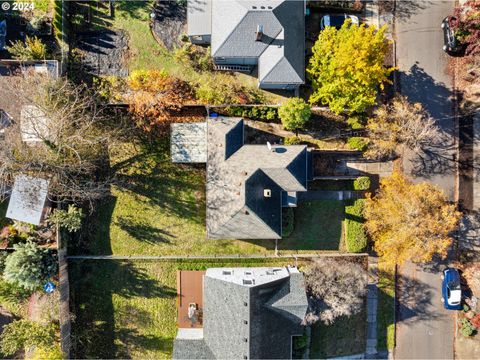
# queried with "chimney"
point(259, 33)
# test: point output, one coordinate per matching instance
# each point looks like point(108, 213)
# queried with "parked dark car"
point(451, 289)
point(336, 20)
point(3, 33)
point(450, 42)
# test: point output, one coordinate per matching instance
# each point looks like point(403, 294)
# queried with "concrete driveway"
point(423, 78)
point(424, 329)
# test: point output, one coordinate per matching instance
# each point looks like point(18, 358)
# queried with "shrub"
point(355, 236)
point(358, 143)
point(70, 219)
point(12, 297)
point(288, 221)
point(335, 288)
point(148, 80)
point(22, 334)
point(292, 140)
point(29, 266)
point(261, 113)
point(466, 328)
point(361, 183)
point(32, 49)
point(294, 113)
point(356, 122)
point(476, 321)
point(47, 353)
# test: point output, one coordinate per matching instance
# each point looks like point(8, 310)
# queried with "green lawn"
point(158, 210)
point(318, 226)
point(385, 312)
point(128, 309)
point(346, 336)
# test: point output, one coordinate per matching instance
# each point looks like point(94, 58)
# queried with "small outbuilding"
point(189, 142)
point(28, 199)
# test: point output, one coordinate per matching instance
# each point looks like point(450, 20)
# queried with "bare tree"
point(334, 288)
point(62, 135)
point(400, 122)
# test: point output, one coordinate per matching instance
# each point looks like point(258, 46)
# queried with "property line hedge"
point(355, 236)
point(361, 183)
point(288, 219)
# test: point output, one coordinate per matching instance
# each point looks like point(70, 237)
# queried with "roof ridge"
point(238, 24)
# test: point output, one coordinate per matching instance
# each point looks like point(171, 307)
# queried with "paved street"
point(423, 78)
point(424, 329)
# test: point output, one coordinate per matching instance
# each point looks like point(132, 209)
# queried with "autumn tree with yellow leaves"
point(346, 68)
point(409, 221)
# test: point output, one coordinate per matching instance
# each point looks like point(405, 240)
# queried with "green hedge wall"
point(355, 236)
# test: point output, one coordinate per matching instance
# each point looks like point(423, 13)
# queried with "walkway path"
point(372, 304)
point(330, 195)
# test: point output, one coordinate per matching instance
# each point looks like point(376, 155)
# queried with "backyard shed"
point(28, 199)
point(189, 142)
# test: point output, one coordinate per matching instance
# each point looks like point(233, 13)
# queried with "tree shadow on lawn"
point(177, 189)
point(135, 8)
point(144, 232)
point(98, 325)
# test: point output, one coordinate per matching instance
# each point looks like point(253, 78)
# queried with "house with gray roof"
point(248, 313)
point(243, 34)
point(247, 185)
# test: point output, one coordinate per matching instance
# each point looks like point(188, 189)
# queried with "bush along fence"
point(64, 289)
point(355, 237)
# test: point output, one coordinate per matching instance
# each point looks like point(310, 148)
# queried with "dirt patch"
point(170, 23)
point(104, 52)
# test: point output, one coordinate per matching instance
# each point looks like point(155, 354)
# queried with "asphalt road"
point(423, 78)
point(424, 329)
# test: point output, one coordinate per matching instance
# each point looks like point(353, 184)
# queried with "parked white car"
point(337, 20)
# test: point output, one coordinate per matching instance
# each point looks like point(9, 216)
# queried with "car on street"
point(450, 43)
point(336, 20)
point(451, 289)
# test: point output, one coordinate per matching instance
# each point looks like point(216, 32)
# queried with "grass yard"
point(318, 226)
point(385, 312)
point(159, 211)
point(346, 336)
point(128, 309)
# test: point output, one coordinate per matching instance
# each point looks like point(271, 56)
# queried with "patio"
point(189, 292)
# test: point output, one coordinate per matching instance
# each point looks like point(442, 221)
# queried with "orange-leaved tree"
point(156, 99)
point(409, 221)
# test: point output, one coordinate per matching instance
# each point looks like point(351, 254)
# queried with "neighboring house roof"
point(239, 320)
point(232, 25)
point(237, 177)
point(189, 142)
point(28, 198)
point(199, 17)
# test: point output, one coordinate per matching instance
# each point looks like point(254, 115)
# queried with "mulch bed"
point(170, 23)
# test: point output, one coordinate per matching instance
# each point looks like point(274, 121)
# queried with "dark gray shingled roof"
point(191, 349)
point(281, 53)
point(239, 320)
point(237, 175)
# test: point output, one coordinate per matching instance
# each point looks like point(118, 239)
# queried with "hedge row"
point(288, 219)
point(262, 113)
point(355, 236)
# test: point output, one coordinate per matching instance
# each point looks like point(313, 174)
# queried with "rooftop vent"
point(248, 282)
point(267, 193)
point(227, 272)
point(259, 33)
point(247, 273)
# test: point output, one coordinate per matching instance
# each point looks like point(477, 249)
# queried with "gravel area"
point(104, 52)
